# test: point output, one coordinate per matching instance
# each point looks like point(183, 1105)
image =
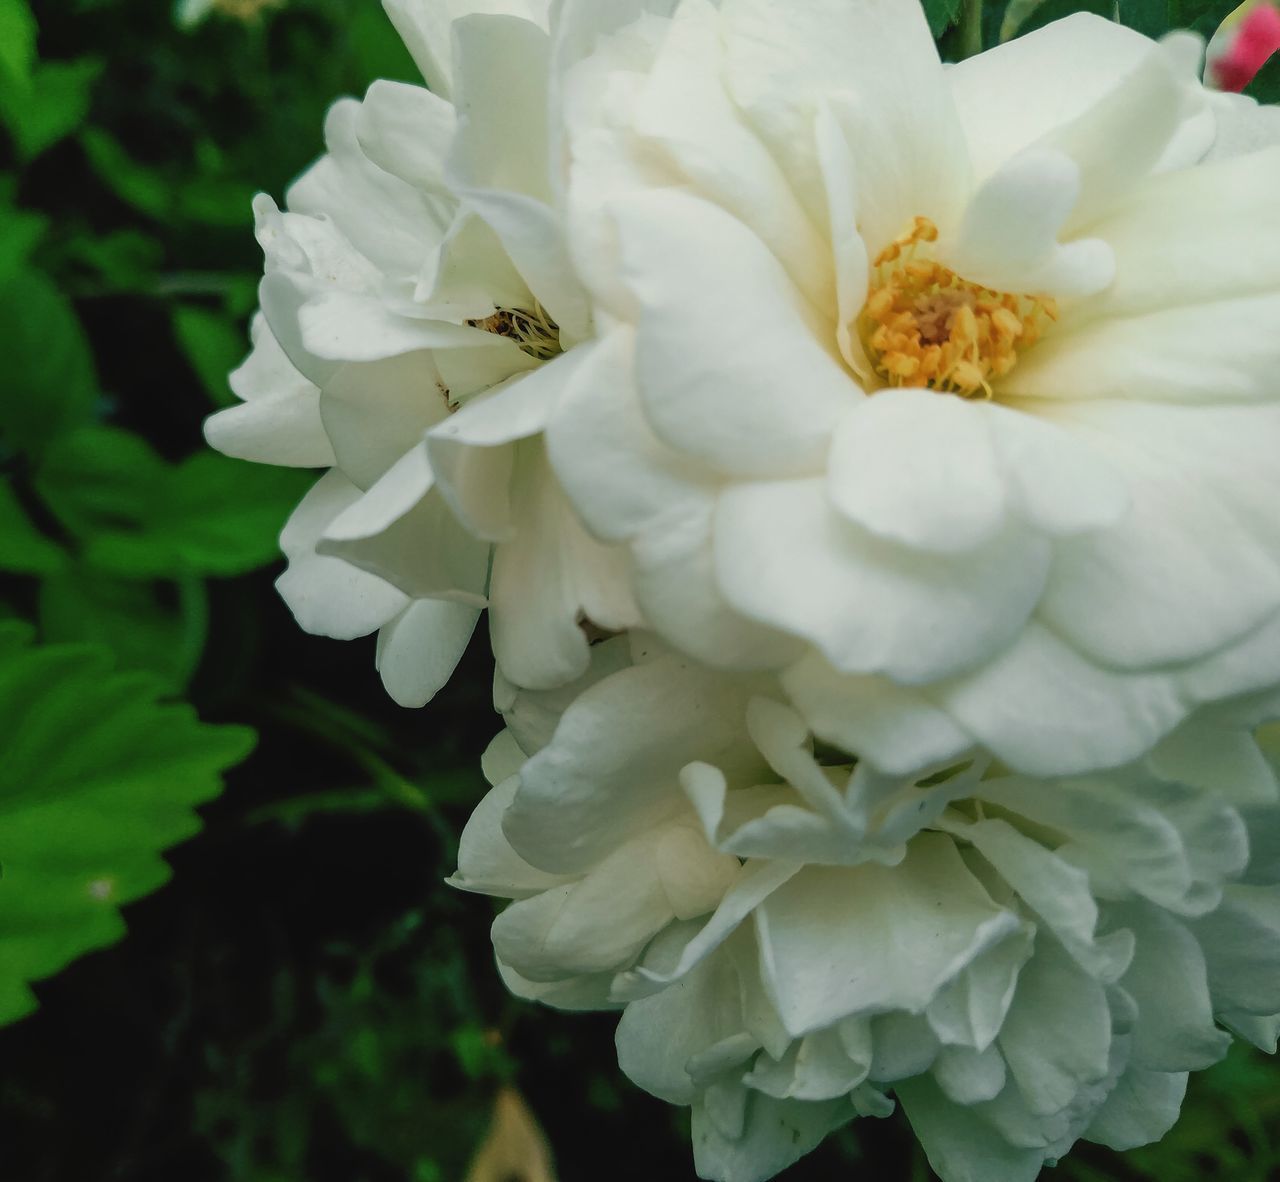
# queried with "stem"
point(971, 29)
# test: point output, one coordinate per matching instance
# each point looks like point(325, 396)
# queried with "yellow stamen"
point(922, 323)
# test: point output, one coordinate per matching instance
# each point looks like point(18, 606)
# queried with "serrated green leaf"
point(140, 518)
point(47, 384)
point(213, 344)
point(23, 548)
point(99, 778)
point(158, 628)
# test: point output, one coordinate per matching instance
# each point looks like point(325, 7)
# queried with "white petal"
point(971, 1008)
point(683, 107)
point(549, 579)
point(472, 467)
point(1009, 237)
point(775, 1133)
point(1125, 134)
point(374, 413)
point(407, 131)
point(600, 922)
point(502, 69)
point(1195, 236)
point(1197, 353)
point(677, 592)
point(1056, 482)
point(1136, 836)
point(341, 326)
point(786, 558)
point(836, 942)
point(581, 797)
point(840, 179)
point(903, 128)
point(402, 531)
point(1241, 942)
point(1113, 594)
point(918, 469)
point(424, 26)
point(279, 421)
point(758, 880)
point(620, 477)
point(345, 186)
point(1140, 1111)
point(1043, 709)
point(960, 1148)
point(419, 650)
point(659, 1035)
point(893, 727)
point(1057, 892)
point(1175, 1030)
point(1243, 125)
point(330, 597)
point(1019, 92)
point(729, 359)
point(1057, 1036)
point(967, 1076)
point(486, 862)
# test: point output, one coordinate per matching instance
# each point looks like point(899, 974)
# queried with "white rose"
point(419, 319)
point(797, 940)
point(949, 392)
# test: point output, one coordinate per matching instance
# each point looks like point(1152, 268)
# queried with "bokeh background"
point(305, 1000)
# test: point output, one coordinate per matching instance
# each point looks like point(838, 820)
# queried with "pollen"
point(923, 325)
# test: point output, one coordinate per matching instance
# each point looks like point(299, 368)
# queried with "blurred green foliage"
point(306, 1002)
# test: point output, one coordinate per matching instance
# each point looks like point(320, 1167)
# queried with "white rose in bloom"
point(419, 318)
point(796, 941)
point(951, 392)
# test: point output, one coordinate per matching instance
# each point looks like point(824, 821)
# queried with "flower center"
point(535, 332)
point(923, 325)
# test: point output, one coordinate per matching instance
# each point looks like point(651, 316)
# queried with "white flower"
point(798, 940)
point(419, 319)
point(950, 392)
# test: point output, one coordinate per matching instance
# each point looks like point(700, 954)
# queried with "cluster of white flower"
point(869, 469)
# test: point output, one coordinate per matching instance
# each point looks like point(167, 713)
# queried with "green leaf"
point(47, 384)
point(140, 518)
point(214, 344)
point(1265, 86)
point(1047, 11)
point(157, 628)
point(17, 41)
point(1152, 17)
point(24, 549)
point(942, 14)
point(99, 778)
point(51, 107)
point(1203, 16)
point(100, 479)
point(118, 261)
point(20, 233)
point(135, 184)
